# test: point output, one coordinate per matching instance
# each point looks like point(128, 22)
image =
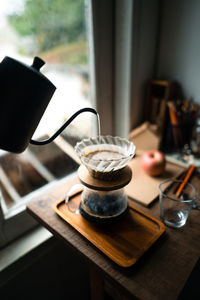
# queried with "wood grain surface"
point(160, 273)
point(123, 178)
point(123, 241)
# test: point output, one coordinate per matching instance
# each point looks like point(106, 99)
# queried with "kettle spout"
point(47, 141)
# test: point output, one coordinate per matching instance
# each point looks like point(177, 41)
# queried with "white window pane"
point(56, 32)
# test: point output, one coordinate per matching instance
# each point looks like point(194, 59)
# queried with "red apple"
point(153, 162)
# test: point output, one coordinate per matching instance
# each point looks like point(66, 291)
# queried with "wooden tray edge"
point(125, 263)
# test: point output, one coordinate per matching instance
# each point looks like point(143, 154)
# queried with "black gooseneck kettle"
point(24, 95)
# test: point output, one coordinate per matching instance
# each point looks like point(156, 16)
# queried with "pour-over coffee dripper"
point(103, 156)
point(104, 173)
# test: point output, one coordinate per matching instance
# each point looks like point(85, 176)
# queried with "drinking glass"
point(174, 208)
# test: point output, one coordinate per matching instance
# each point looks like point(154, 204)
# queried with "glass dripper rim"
point(102, 143)
point(80, 152)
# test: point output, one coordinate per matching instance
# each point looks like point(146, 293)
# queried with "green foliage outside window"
point(53, 24)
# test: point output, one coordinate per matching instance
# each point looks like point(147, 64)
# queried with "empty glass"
point(174, 209)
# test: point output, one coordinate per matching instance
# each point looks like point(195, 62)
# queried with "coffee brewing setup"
point(25, 93)
point(103, 173)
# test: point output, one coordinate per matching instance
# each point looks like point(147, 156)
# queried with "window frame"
point(114, 34)
point(124, 52)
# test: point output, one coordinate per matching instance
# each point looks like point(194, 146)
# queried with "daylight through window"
point(56, 32)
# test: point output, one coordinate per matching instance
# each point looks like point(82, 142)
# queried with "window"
point(102, 79)
point(56, 32)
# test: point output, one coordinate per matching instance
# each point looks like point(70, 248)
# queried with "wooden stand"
point(104, 185)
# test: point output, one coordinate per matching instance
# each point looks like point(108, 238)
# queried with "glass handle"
point(73, 190)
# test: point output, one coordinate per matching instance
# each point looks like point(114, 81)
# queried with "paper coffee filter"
point(105, 153)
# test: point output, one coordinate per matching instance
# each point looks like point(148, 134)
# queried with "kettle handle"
point(47, 141)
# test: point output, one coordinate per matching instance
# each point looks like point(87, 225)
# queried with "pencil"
point(187, 177)
point(180, 177)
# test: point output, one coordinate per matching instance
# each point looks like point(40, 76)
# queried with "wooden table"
point(159, 274)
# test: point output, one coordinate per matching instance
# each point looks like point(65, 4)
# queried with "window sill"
point(26, 249)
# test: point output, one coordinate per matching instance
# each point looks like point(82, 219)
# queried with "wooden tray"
point(123, 241)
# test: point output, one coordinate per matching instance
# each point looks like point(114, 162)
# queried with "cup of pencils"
point(176, 201)
point(182, 117)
